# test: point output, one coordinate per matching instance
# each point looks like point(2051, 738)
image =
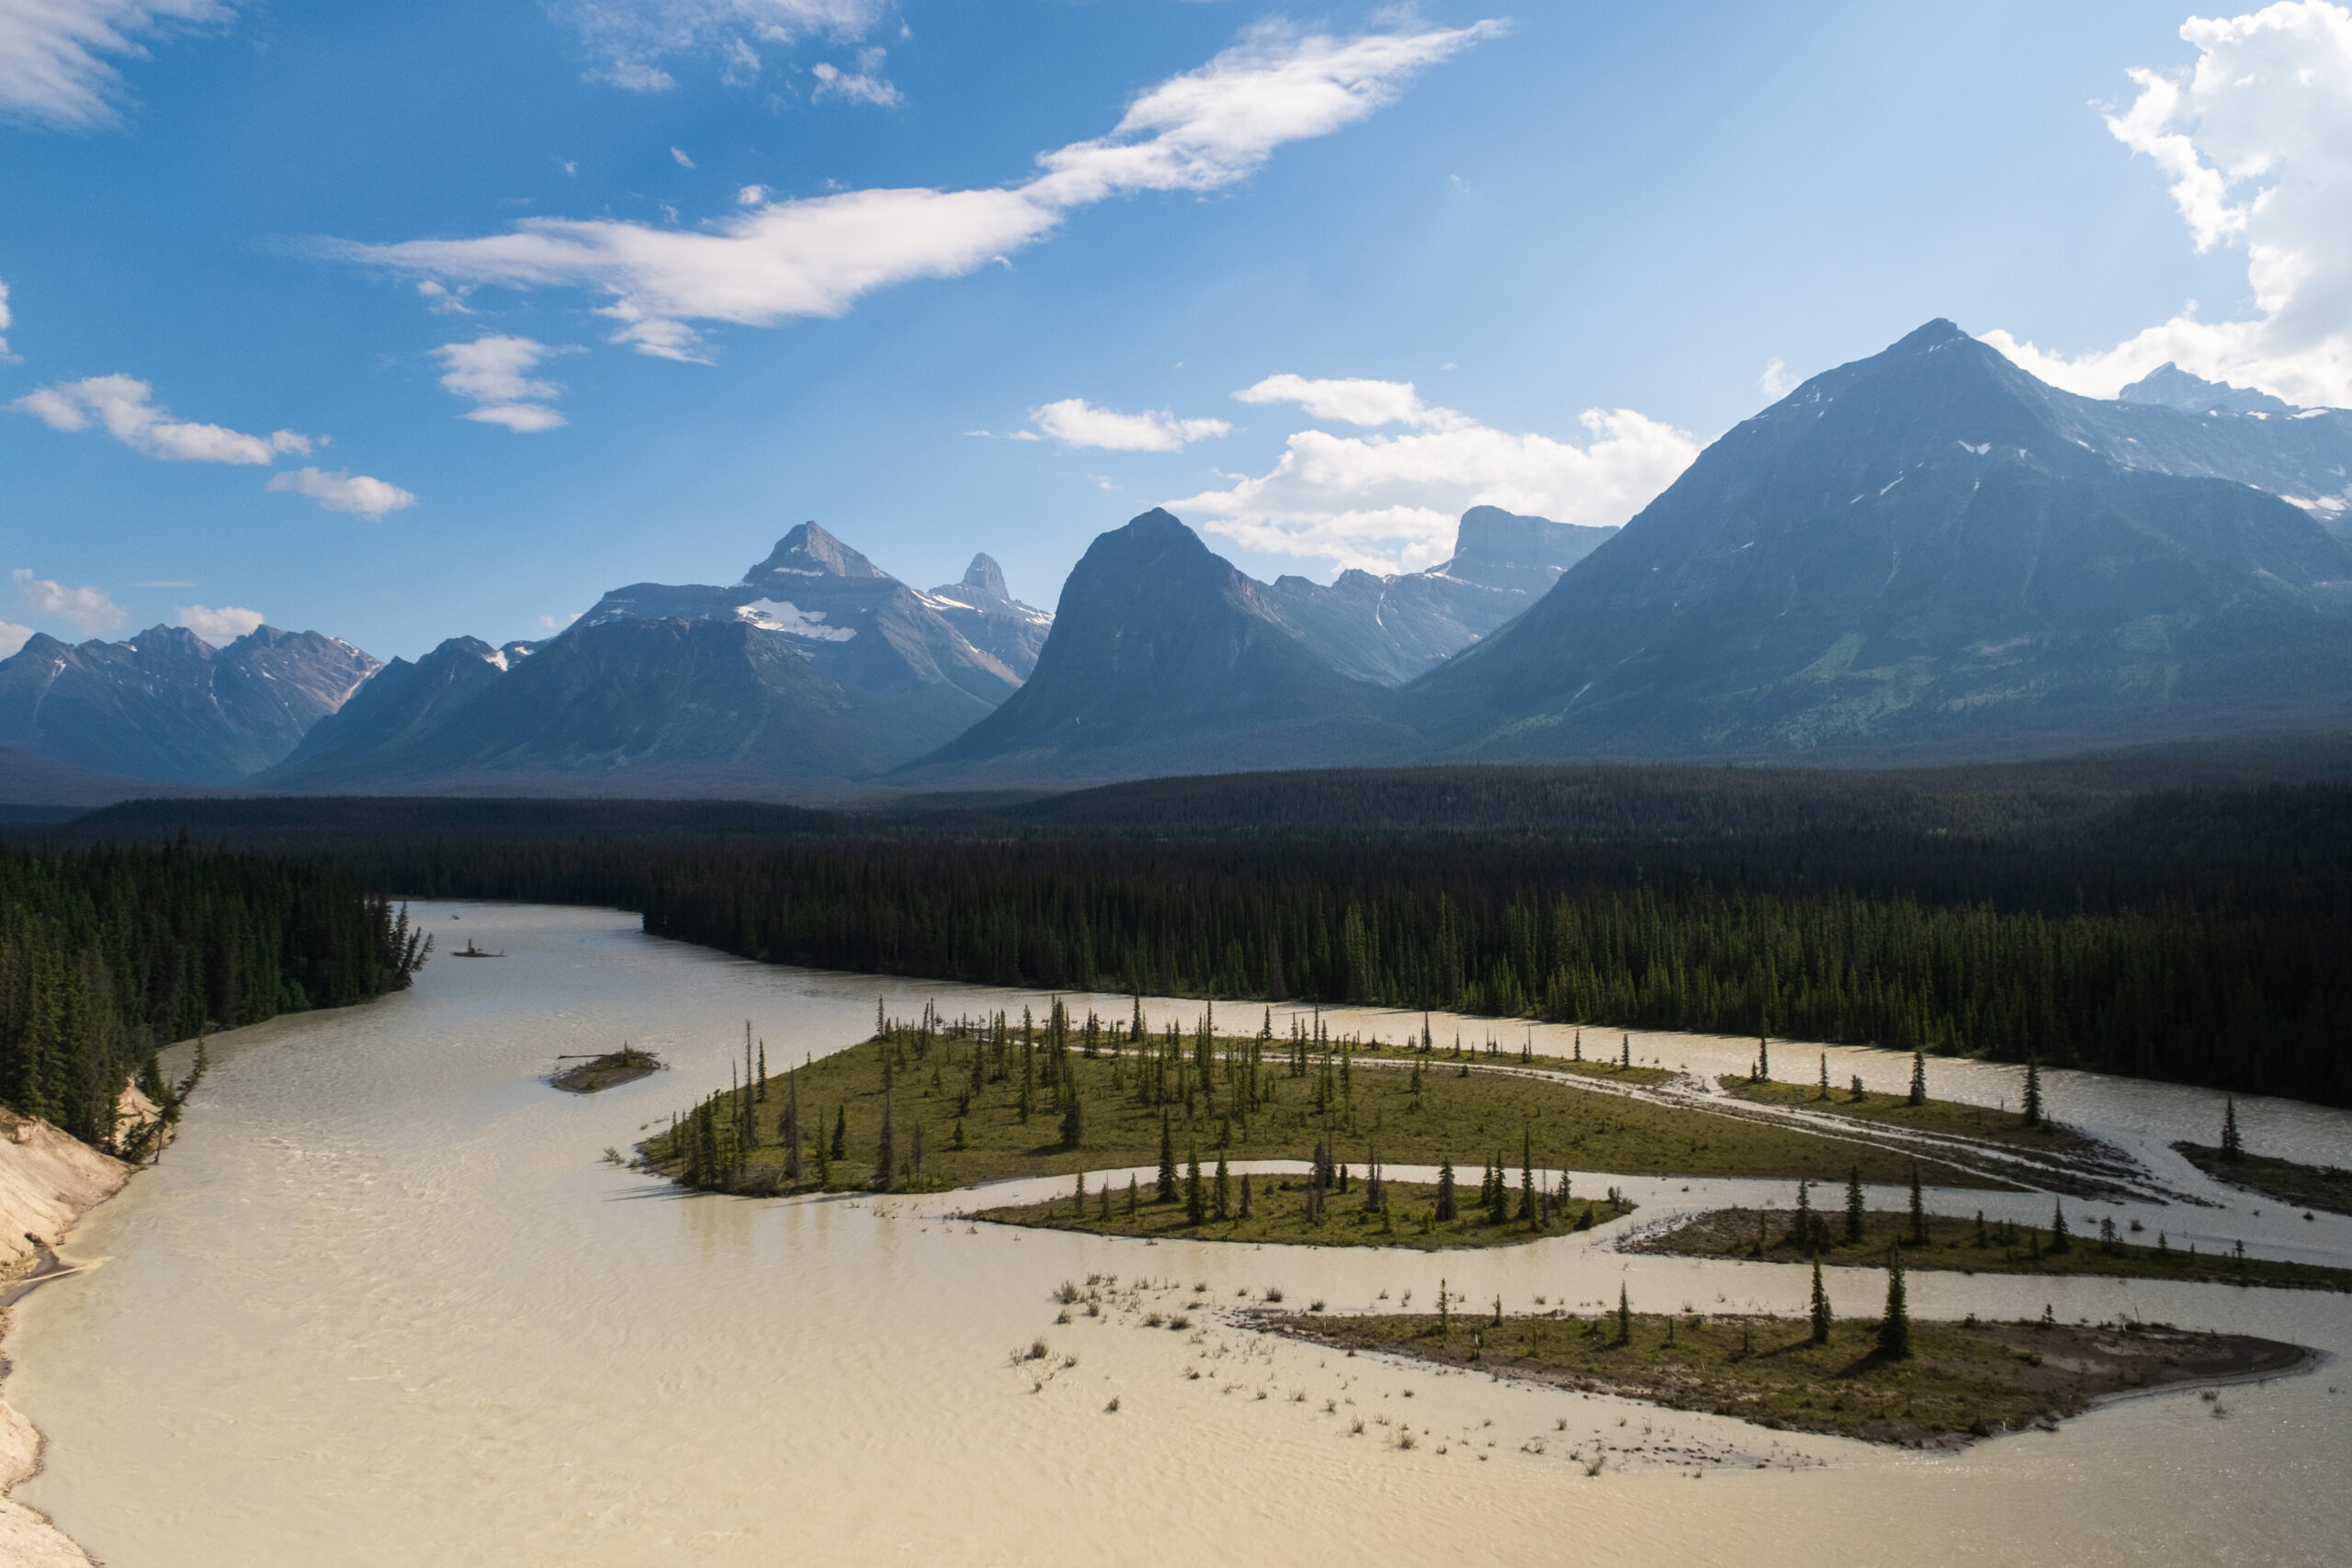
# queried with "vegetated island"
point(625, 1066)
point(1328, 1209)
point(1950, 1384)
point(2028, 1131)
point(2324, 1187)
point(941, 1104)
point(1863, 1238)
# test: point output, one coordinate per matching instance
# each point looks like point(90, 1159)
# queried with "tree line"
point(109, 953)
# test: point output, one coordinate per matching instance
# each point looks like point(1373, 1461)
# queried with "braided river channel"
point(386, 1302)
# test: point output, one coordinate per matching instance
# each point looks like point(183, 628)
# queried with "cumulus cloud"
point(13, 639)
point(864, 85)
point(86, 610)
point(778, 260)
point(1074, 422)
point(53, 70)
point(1390, 502)
point(341, 491)
point(127, 408)
point(627, 37)
point(494, 372)
point(224, 624)
point(2255, 144)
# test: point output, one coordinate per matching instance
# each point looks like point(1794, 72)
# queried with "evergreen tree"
point(1195, 1199)
point(1626, 1052)
point(1854, 1209)
point(1825, 1077)
point(1894, 1329)
point(1167, 1160)
point(885, 1150)
point(1624, 1316)
point(1133, 1198)
point(1820, 1306)
point(841, 1130)
point(1245, 1195)
point(824, 1162)
point(2032, 1090)
point(1077, 1206)
point(1527, 1175)
point(1073, 1119)
point(1445, 1192)
point(2232, 1145)
point(1498, 1204)
point(1918, 1210)
point(1763, 1059)
point(1918, 1077)
point(1223, 1193)
point(2061, 1240)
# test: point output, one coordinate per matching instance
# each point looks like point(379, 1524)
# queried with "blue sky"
point(546, 298)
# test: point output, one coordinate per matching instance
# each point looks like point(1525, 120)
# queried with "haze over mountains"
point(1923, 555)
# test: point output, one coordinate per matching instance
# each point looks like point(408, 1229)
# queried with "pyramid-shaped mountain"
point(816, 669)
point(1928, 553)
point(166, 705)
point(1164, 658)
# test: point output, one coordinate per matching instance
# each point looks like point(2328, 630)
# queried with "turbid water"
point(384, 1303)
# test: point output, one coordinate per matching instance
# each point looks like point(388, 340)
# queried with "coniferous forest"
point(109, 953)
point(2201, 934)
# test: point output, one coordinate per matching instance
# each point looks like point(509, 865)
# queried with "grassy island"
point(1286, 1210)
point(1948, 1117)
point(2324, 1187)
point(1961, 1381)
point(625, 1066)
point(1973, 1247)
point(941, 1104)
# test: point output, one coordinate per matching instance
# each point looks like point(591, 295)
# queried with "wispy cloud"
point(13, 639)
point(54, 69)
point(866, 85)
point(225, 625)
point(770, 262)
point(341, 491)
point(494, 372)
point(87, 610)
point(5, 321)
point(126, 407)
point(679, 156)
point(1390, 502)
point(628, 37)
point(1074, 422)
point(2255, 144)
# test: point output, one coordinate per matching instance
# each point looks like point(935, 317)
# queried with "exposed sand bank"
point(48, 1180)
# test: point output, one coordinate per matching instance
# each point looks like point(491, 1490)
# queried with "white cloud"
point(2255, 142)
point(1352, 401)
point(126, 406)
point(341, 491)
point(225, 625)
point(4, 324)
point(494, 372)
point(1775, 383)
point(13, 639)
point(628, 36)
point(444, 301)
point(1391, 503)
point(684, 162)
point(87, 610)
point(52, 72)
point(864, 85)
point(816, 257)
point(1074, 422)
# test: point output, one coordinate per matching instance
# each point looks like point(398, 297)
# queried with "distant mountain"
point(1928, 553)
point(2303, 455)
point(1163, 658)
point(166, 705)
point(1389, 629)
point(991, 619)
point(816, 669)
point(2170, 387)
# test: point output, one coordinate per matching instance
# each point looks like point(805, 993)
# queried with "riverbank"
point(1963, 1381)
point(49, 1179)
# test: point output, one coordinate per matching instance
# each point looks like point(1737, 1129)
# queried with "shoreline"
point(48, 1180)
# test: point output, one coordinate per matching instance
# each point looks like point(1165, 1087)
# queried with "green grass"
point(1278, 1215)
point(1955, 1244)
point(623, 1066)
point(2304, 1186)
point(973, 1136)
point(1946, 1116)
point(1964, 1380)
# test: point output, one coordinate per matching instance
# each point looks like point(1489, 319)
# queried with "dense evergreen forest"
point(108, 953)
point(2200, 932)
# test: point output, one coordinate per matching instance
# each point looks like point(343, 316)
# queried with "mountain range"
point(1923, 555)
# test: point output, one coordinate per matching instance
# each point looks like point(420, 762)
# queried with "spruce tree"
point(1825, 1077)
point(840, 1131)
point(2033, 1091)
point(1626, 1058)
point(2232, 1145)
point(1073, 1119)
point(1763, 1059)
point(1820, 1306)
point(1077, 1207)
point(1918, 1210)
point(1854, 1206)
point(1195, 1199)
point(1223, 1193)
point(1445, 1191)
point(2061, 1240)
point(1918, 1077)
point(1167, 1160)
point(1245, 1211)
point(1527, 1175)
point(1894, 1329)
point(1133, 1198)
point(1625, 1317)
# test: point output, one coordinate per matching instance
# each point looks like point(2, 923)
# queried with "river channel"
point(386, 1303)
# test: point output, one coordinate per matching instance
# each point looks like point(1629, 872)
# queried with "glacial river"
point(384, 1302)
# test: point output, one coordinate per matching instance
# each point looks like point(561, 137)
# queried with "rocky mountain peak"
point(2168, 386)
point(810, 552)
point(984, 576)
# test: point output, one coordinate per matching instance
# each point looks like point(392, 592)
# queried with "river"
point(385, 1304)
